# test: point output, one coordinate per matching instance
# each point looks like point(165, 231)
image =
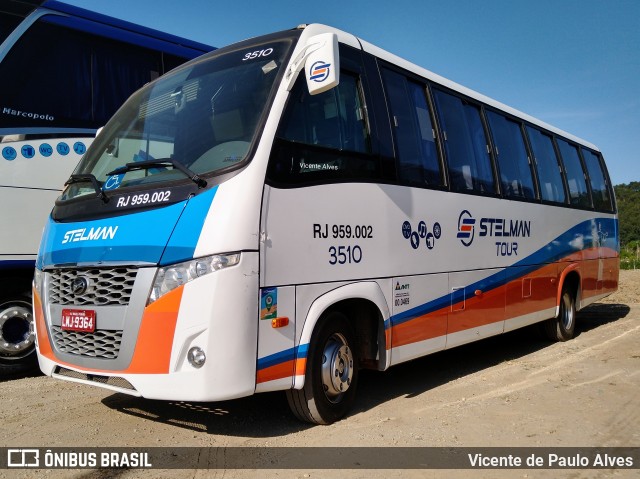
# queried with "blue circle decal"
point(406, 229)
point(9, 153)
point(62, 148)
point(46, 150)
point(415, 240)
point(28, 151)
point(79, 147)
point(422, 229)
point(437, 230)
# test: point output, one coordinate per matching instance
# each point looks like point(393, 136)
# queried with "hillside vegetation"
point(628, 197)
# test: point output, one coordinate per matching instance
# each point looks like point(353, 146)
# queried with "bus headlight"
point(171, 277)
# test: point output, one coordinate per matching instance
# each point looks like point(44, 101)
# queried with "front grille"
point(102, 344)
point(110, 380)
point(104, 287)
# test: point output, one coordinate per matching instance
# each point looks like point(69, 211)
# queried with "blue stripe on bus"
point(184, 238)
point(158, 236)
point(575, 239)
point(290, 354)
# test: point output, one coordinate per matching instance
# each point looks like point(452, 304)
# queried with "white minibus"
point(284, 212)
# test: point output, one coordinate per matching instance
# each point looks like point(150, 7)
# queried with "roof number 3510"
point(257, 54)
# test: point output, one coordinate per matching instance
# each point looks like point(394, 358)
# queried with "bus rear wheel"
point(562, 328)
point(331, 373)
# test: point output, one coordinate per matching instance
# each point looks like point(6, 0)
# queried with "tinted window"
point(8, 23)
point(416, 152)
point(98, 75)
point(323, 137)
point(546, 161)
point(513, 162)
point(465, 145)
point(599, 189)
point(334, 119)
point(578, 194)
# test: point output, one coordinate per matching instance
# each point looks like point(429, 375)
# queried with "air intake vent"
point(91, 287)
point(109, 380)
point(102, 344)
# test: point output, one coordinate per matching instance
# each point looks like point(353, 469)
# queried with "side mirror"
point(322, 66)
point(321, 61)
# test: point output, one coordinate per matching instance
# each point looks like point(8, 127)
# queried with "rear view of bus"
point(285, 211)
point(63, 72)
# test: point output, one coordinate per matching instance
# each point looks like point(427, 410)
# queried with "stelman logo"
point(466, 226)
point(94, 234)
point(319, 71)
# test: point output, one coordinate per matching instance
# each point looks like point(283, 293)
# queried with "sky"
point(574, 64)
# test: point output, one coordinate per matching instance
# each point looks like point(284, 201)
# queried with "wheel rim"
point(16, 330)
point(337, 367)
point(568, 313)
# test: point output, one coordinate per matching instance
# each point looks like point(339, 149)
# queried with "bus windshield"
point(203, 116)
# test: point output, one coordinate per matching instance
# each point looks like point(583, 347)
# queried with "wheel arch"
point(366, 308)
point(570, 276)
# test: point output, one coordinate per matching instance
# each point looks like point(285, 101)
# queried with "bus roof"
point(123, 25)
point(434, 77)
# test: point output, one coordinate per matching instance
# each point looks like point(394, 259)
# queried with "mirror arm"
point(298, 64)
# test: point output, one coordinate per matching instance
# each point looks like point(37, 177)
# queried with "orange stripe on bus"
point(155, 337)
point(287, 369)
point(41, 328)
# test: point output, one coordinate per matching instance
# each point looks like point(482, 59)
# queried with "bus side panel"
point(502, 259)
point(420, 311)
point(531, 296)
point(277, 357)
point(22, 218)
point(32, 175)
point(477, 306)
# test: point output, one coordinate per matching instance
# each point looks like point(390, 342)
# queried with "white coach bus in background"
point(285, 211)
point(63, 72)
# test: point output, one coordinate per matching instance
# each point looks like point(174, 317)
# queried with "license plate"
point(83, 320)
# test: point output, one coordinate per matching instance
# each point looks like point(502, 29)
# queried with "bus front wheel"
point(17, 337)
point(563, 326)
point(331, 374)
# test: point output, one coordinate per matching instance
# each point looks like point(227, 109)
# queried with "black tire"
point(562, 328)
point(331, 376)
point(17, 336)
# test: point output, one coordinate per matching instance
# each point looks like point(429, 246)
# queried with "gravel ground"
point(513, 390)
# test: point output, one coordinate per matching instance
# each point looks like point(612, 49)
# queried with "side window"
point(8, 23)
point(30, 84)
point(97, 76)
point(578, 193)
point(118, 69)
point(333, 119)
point(465, 145)
point(323, 137)
point(546, 161)
point(599, 187)
point(417, 155)
point(513, 162)
point(169, 62)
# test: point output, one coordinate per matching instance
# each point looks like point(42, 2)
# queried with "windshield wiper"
point(145, 165)
point(79, 178)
